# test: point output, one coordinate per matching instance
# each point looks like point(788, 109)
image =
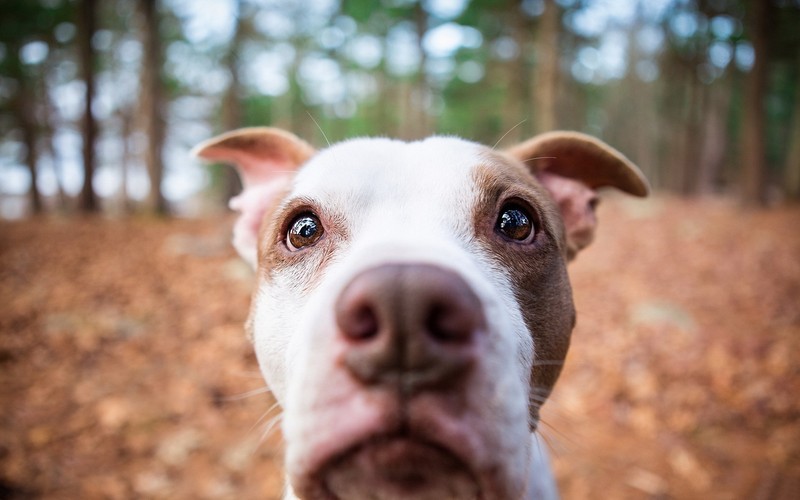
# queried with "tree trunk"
point(151, 104)
point(546, 73)
point(126, 117)
point(691, 128)
point(87, 12)
point(791, 170)
point(58, 172)
point(754, 165)
point(50, 123)
point(715, 136)
point(231, 103)
point(517, 105)
point(676, 87)
point(405, 106)
point(24, 111)
point(421, 125)
point(629, 106)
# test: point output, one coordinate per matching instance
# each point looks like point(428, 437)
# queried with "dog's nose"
point(413, 325)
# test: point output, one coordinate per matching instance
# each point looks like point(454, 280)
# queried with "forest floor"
point(125, 373)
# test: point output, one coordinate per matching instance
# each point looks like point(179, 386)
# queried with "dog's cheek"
point(541, 299)
point(278, 308)
point(270, 343)
point(288, 323)
point(549, 314)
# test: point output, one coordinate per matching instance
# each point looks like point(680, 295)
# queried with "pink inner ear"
point(252, 204)
point(576, 202)
point(252, 169)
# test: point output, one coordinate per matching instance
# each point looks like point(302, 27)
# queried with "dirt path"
point(124, 372)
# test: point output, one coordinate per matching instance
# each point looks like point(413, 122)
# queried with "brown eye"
point(514, 223)
point(304, 231)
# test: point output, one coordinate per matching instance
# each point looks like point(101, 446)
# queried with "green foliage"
point(24, 21)
point(257, 110)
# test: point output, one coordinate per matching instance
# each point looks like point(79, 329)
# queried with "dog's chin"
point(398, 467)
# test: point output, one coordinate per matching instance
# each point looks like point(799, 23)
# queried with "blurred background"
point(124, 369)
point(101, 100)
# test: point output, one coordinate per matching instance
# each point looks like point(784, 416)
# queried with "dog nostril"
point(448, 324)
point(356, 312)
point(361, 323)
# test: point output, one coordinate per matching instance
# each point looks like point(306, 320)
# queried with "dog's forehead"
point(369, 171)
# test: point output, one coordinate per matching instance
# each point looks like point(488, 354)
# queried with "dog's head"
point(412, 308)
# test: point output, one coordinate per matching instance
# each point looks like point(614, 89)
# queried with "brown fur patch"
point(537, 270)
point(274, 257)
point(305, 264)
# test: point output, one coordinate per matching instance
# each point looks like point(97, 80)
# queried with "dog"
point(412, 309)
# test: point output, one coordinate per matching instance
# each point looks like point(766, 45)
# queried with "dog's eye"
point(515, 223)
point(305, 230)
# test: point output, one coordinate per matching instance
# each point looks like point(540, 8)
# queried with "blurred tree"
point(792, 164)
point(419, 95)
point(151, 103)
point(714, 135)
point(87, 27)
point(232, 100)
point(783, 110)
point(121, 64)
point(754, 157)
point(23, 107)
point(547, 79)
point(679, 100)
point(28, 31)
point(713, 88)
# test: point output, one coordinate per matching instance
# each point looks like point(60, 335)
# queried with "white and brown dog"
point(412, 308)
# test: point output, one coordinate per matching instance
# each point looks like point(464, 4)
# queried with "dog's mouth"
point(398, 466)
point(427, 447)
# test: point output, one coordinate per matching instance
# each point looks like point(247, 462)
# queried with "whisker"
point(552, 429)
point(554, 443)
point(248, 394)
point(320, 128)
point(263, 416)
point(540, 158)
point(509, 131)
point(271, 425)
point(547, 442)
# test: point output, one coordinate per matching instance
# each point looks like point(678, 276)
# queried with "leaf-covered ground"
point(124, 372)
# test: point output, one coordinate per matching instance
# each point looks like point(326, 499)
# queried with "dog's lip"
point(400, 446)
point(448, 438)
point(403, 441)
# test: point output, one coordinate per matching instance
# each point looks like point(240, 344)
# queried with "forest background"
point(101, 100)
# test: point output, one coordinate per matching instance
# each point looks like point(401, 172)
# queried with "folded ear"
point(266, 159)
point(572, 166)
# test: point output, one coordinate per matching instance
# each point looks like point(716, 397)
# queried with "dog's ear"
point(572, 166)
point(266, 158)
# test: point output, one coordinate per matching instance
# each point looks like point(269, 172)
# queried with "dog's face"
point(412, 308)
